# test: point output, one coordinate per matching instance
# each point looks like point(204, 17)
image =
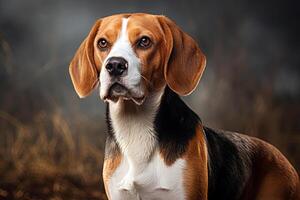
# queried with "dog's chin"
point(119, 92)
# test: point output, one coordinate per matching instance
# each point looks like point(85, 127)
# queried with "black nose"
point(116, 66)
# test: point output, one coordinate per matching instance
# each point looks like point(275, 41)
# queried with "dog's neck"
point(163, 122)
point(133, 127)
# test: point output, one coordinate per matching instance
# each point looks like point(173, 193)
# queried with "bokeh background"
point(52, 142)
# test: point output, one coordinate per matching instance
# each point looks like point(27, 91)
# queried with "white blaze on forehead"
point(122, 48)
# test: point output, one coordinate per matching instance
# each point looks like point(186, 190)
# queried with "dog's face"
point(134, 55)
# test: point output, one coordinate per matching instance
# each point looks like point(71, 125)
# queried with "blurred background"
point(52, 142)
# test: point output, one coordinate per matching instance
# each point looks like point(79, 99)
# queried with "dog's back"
point(243, 167)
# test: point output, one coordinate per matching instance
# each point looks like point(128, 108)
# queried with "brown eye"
point(102, 43)
point(144, 42)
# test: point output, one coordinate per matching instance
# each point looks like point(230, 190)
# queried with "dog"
point(156, 146)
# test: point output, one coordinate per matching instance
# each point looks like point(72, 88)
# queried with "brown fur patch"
point(196, 172)
point(273, 176)
point(152, 58)
point(109, 167)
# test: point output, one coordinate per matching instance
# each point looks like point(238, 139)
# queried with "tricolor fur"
point(157, 147)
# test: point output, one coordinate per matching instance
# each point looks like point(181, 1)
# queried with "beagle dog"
point(157, 147)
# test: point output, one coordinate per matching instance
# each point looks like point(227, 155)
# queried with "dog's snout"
point(116, 66)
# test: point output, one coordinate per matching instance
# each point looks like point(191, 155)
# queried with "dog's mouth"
point(118, 91)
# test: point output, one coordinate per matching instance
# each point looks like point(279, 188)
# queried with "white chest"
point(155, 180)
point(142, 173)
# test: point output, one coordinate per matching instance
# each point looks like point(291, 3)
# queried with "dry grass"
point(44, 160)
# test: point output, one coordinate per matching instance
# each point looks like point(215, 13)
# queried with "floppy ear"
point(83, 70)
point(185, 62)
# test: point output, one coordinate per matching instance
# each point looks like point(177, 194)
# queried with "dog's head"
point(133, 55)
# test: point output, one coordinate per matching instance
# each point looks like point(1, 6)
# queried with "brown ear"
point(83, 70)
point(185, 62)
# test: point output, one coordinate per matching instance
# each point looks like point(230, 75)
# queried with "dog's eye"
point(144, 42)
point(102, 43)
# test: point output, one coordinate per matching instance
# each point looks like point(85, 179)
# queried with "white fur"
point(134, 129)
point(156, 181)
point(122, 48)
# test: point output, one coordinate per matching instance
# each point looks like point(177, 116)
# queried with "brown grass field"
point(44, 160)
